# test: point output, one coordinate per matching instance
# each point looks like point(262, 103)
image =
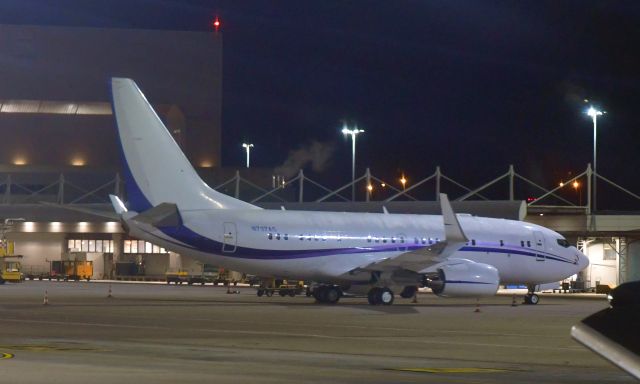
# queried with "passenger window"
point(270, 236)
point(402, 239)
point(277, 236)
point(424, 241)
point(369, 239)
point(286, 236)
point(393, 239)
point(376, 240)
point(415, 240)
point(473, 242)
point(501, 243)
point(528, 244)
point(522, 243)
point(384, 240)
point(301, 237)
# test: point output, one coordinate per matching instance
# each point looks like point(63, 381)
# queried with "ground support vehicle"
point(281, 287)
point(71, 270)
point(11, 269)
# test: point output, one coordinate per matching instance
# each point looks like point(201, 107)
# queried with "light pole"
point(248, 148)
point(594, 113)
point(353, 132)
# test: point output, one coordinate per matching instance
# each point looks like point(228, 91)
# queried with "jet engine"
point(463, 278)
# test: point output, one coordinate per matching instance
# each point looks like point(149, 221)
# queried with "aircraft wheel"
point(332, 295)
point(374, 296)
point(386, 296)
point(408, 292)
point(320, 294)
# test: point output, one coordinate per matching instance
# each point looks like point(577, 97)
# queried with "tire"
point(373, 296)
point(269, 292)
point(283, 292)
point(332, 295)
point(320, 294)
point(408, 292)
point(292, 293)
point(534, 299)
point(386, 296)
point(260, 292)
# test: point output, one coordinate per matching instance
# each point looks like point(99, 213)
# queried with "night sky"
point(472, 86)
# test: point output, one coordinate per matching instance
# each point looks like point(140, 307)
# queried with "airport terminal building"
point(59, 141)
point(59, 146)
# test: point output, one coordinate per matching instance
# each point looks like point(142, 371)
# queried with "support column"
point(511, 176)
point(237, 194)
point(118, 252)
point(301, 187)
point(438, 176)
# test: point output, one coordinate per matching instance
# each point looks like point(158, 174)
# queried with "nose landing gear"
point(531, 297)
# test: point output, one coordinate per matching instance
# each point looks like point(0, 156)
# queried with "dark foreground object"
point(613, 332)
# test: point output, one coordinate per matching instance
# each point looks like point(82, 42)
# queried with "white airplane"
point(376, 254)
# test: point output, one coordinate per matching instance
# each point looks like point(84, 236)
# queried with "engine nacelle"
point(465, 278)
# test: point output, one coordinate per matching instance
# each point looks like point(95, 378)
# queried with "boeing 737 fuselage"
point(376, 254)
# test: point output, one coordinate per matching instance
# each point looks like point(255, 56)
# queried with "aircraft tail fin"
point(156, 171)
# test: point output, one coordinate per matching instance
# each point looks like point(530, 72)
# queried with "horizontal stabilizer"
point(163, 215)
point(95, 212)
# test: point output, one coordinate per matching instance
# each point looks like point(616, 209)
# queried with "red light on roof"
point(216, 24)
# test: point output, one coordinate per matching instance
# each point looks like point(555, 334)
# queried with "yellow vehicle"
point(11, 269)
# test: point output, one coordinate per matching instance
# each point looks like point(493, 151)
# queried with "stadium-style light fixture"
point(248, 148)
point(353, 132)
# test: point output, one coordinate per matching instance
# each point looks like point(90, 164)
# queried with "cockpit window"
point(563, 243)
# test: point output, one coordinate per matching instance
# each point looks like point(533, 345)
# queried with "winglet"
point(452, 229)
point(118, 205)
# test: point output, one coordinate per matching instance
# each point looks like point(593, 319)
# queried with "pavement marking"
point(405, 339)
point(4, 356)
point(451, 370)
point(47, 348)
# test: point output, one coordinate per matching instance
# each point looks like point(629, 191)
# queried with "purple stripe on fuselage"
point(204, 244)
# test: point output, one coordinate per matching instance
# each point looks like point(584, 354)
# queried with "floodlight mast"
point(594, 113)
point(248, 148)
point(353, 132)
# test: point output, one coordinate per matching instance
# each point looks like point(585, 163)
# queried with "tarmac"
point(153, 333)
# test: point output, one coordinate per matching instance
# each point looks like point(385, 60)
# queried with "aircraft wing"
point(428, 256)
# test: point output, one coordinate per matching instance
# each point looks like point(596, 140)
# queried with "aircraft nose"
point(583, 261)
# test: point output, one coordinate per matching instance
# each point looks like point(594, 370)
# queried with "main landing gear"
point(531, 297)
point(327, 294)
point(378, 296)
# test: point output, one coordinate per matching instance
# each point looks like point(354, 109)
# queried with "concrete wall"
point(633, 260)
point(600, 270)
point(179, 70)
point(38, 249)
point(98, 264)
point(156, 264)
